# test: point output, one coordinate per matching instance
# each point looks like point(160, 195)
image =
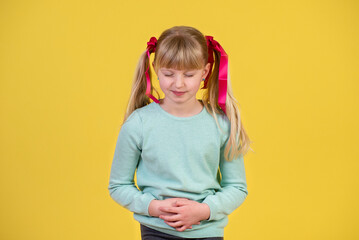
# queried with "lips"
point(178, 93)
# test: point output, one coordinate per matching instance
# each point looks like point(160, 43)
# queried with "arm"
point(234, 188)
point(214, 207)
point(128, 149)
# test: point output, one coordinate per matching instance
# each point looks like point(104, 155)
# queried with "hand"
point(185, 213)
point(153, 208)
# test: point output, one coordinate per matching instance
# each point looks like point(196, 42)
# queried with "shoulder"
point(147, 111)
point(222, 118)
point(220, 121)
point(132, 129)
point(224, 127)
point(141, 113)
point(133, 119)
point(223, 122)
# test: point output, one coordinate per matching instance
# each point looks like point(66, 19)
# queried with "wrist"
point(153, 208)
point(206, 211)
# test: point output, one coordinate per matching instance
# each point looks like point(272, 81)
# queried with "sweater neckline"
point(198, 115)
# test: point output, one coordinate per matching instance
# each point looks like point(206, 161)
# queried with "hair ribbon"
point(151, 47)
point(223, 70)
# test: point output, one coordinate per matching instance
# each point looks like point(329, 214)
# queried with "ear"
point(206, 70)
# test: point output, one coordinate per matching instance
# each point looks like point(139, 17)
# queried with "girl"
point(188, 179)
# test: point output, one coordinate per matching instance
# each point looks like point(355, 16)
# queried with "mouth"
point(178, 93)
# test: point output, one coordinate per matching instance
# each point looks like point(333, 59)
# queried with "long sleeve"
point(233, 189)
point(128, 149)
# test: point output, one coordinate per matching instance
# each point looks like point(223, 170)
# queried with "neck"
point(185, 109)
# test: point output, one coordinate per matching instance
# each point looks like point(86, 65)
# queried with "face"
point(181, 86)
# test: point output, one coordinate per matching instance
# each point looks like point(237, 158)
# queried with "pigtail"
point(138, 97)
point(241, 144)
point(238, 142)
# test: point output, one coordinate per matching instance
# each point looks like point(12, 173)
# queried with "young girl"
point(188, 153)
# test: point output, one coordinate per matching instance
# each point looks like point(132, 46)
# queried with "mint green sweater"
point(176, 157)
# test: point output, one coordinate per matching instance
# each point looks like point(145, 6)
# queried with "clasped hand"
point(179, 213)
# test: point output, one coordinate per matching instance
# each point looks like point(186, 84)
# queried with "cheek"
point(164, 84)
point(195, 84)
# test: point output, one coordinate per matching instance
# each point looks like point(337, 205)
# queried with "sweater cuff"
point(148, 197)
point(213, 208)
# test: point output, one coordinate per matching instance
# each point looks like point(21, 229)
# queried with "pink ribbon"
point(151, 47)
point(223, 70)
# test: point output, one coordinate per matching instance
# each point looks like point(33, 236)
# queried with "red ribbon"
point(151, 47)
point(223, 70)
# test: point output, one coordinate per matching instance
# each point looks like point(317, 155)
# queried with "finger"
point(174, 203)
point(171, 218)
point(174, 224)
point(167, 213)
point(181, 229)
point(169, 209)
point(179, 199)
point(181, 203)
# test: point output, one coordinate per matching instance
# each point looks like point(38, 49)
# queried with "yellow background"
point(66, 71)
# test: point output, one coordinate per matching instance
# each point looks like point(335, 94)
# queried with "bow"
point(223, 70)
point(151, 47)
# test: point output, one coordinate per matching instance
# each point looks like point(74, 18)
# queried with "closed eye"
point(172, 75)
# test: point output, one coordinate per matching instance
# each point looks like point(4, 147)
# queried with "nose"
point(179, 82)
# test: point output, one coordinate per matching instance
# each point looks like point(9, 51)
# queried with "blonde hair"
point(183, 47)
